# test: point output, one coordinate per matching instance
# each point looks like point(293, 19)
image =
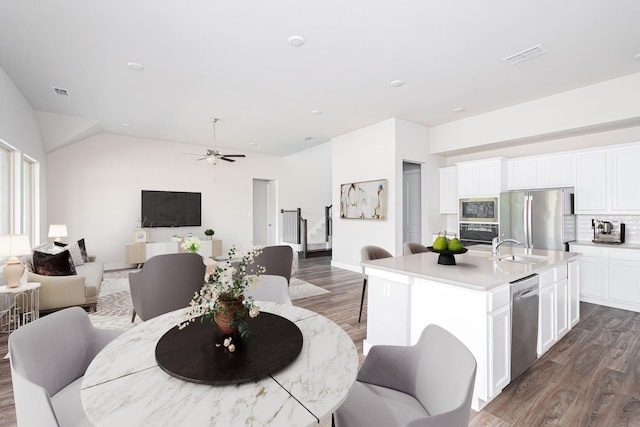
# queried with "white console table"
point(19, 306)
point(139, 253)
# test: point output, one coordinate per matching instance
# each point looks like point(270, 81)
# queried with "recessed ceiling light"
point(458, 110)
point(124, 125)
point(637, 57)
point(253, 144)
point(134, 66)
point(316, 112)
point(296, 41)
point(396, 83)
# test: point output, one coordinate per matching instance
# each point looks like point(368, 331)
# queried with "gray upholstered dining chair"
point(369, 253)
point(165, 283)
point(270, 288)
point(49, 357)
point(276, 260)
point(428, 384)
point(410, 248)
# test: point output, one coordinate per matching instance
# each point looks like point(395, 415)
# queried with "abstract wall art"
point(364, 200)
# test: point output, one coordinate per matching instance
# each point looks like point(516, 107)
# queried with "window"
point(30, 198)
point(6, 186)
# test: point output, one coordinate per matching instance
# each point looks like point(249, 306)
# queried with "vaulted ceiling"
point(235, 60)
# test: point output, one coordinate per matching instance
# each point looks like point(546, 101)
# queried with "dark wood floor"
point(590, 378)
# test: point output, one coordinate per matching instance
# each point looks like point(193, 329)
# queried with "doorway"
point(411, 202)
point(264, 212)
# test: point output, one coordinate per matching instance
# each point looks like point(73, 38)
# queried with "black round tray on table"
point(447, 257)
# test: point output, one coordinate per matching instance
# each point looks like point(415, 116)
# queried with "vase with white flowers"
point(222, 297)
point(191, 244)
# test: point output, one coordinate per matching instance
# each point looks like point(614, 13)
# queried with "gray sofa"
point(58, 292)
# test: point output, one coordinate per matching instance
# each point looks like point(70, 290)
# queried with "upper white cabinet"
point(540, 172)
point(607, 180)
point(449, 190)
point(625, 177)
point(591, 182)
point(481, 178)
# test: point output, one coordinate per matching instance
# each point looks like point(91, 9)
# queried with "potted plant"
point(209, 233)
point(222, 297)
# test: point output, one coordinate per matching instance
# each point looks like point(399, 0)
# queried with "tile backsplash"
point(631, 222)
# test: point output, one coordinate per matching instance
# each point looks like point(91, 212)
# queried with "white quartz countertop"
point(607, 245)
point(477, 269)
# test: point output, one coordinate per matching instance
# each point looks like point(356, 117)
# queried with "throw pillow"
point(76, 254)
point(59, 264)
point(83, 250)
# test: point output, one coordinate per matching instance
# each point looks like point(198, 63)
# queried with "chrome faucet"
point(496, 242)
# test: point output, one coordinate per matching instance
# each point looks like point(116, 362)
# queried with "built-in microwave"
point(479, 210)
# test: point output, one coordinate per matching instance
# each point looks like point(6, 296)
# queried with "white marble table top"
point(124, 386)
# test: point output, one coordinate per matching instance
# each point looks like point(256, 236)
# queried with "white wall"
point(377, 152)
point(19, 128)
point(95, 184)
point(363, 155)
point(412, 144)
point(591, 109)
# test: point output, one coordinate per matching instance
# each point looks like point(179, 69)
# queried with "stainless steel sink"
point(522, 259)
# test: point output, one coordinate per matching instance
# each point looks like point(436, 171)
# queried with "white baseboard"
point(354, 268)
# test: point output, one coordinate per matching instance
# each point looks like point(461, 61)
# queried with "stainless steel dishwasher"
point(524, 324)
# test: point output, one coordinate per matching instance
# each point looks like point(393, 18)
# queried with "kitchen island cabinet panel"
point(573, 277)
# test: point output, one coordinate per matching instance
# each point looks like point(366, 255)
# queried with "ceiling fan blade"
point(233, 155)
point(191, 154)
point(226, 159)
point(203, 158)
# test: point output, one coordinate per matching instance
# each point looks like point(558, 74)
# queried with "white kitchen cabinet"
point(555, 171)
point(609, 276)
point(481, 178)
point(546, 314)
point(500, 356)
point(449, 190)
point(625, 176)
point(553, 310)
point(540, 172)
point(591, 182)
point(573, 278)
point(523, 174)
point(561, 292)
point(624, 275)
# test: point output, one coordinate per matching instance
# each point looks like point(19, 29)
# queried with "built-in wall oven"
point(479, 210)
point(472, 233)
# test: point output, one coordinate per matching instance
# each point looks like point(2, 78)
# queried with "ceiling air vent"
point(60, 91)
point(525, 55)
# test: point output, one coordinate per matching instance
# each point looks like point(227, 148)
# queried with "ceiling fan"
point(212, 154)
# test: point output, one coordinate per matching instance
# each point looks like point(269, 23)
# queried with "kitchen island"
point(472, 300)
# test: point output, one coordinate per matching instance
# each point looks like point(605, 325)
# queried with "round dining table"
point(124, 386)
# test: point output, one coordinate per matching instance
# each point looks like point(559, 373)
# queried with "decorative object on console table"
point(58, 231)
point(13, 246)
point(209, 233)
point(140, 235)
point(191, 244)
point(223, 293)
point(364, 200)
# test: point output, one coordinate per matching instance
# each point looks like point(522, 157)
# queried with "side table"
point(19, 306)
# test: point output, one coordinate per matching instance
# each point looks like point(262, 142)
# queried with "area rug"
point(114, 307)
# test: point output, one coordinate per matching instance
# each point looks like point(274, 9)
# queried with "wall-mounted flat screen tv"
point(171, 208)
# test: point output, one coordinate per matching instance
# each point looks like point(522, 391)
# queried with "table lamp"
point(58, 231)
point(12, 246)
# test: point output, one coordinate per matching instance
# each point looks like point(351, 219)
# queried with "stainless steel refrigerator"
point(540, 219)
